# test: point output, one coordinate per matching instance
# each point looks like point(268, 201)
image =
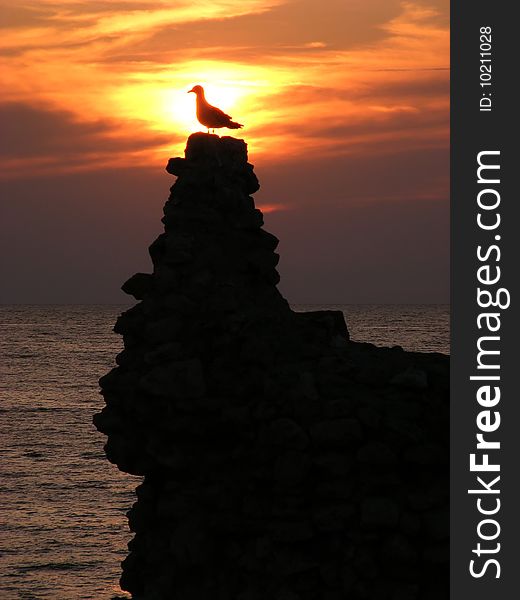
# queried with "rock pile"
point(280, 460)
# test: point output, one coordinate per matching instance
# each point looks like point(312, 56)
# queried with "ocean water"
point(63, 529)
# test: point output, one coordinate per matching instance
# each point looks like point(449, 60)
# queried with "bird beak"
point(192, 90)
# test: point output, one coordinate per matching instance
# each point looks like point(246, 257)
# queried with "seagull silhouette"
point(211, 116)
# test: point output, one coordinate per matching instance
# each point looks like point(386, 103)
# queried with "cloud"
point(24, 16)
point(293, 25)
point(347, 120)
point(272, 207)
point(38, 139)
point(301, 73)
point(50, 23)
point(344, 181)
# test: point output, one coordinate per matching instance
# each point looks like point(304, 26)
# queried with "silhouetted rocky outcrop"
point(280, 460)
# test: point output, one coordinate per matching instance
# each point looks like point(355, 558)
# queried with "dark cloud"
point(334, 182)
point(21, 16)
point(374, 136)
point(423, 88)
point(292, 25)
point(380, 124)
point(376, 119)
point(30, 132)
point(338, 24)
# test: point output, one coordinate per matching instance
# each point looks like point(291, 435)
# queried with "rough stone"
point(339, 432)
point(411, 378)
point(280, 459)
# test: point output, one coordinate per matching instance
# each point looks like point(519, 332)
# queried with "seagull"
point(211, 116)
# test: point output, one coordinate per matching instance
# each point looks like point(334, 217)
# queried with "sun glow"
point(161, 102)
point(293, 97)
point(161, 99)
point(183, 105)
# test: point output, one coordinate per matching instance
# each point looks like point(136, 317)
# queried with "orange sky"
point(339, 77)
point(357, 86)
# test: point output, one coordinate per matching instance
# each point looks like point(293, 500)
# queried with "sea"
point(63, 527)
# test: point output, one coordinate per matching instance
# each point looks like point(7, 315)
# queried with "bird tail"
point(233, 125)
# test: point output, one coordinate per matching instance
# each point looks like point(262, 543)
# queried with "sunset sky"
point(346, 112)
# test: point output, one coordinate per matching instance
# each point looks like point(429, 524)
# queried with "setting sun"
point(161, 101)
point(310, 91)
point(225, 97)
